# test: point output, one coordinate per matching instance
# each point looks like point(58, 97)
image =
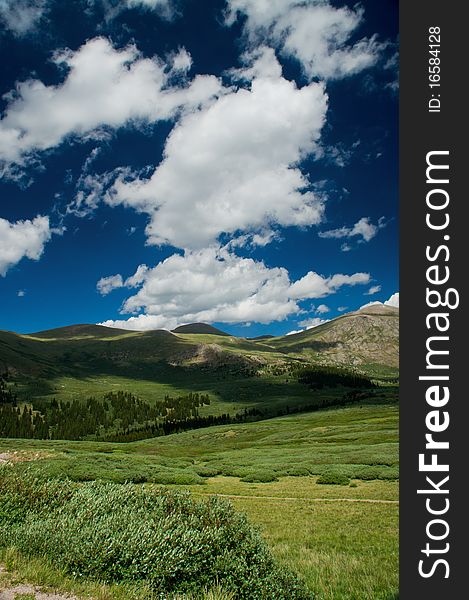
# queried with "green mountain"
point(367, 339)
point(80, 361)
point(78, 332)
point(202, 328)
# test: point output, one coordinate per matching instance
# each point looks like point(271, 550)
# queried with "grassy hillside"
point(199, 328)
point(197, 357)
point(367, 339)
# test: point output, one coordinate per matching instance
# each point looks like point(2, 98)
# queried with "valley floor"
point(341, 539)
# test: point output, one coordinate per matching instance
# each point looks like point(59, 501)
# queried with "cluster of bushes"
point(331, 478)
point(128, 533)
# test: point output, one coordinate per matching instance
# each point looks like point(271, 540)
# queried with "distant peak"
point(80, 330)
point(202, 328)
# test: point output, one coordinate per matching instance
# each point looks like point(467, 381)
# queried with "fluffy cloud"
point(232, 167)
point(213, 285)
point(181, 61)
point(21, 16)
point(314, 322)
point(104, 88)
point(374, 289)
point(322, 309)
point(392, 301)
point(308, 324)
point(363, 229)
point(22, 239)
point(314, 32)
point(106, 284)
point(313, 285)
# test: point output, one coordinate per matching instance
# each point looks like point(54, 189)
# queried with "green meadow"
point(338, 538)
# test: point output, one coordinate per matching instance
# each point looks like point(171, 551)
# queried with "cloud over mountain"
point(213, 285)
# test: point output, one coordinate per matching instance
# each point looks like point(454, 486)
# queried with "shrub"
point(206, 471)
point(129, 533)
point(295, 471)
point(260, 476)
point(333, 479)
point(368, 473)
point(175, 477)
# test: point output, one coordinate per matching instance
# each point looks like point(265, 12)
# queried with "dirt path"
point(30, 592)
point(10, 591)
point(369, 500)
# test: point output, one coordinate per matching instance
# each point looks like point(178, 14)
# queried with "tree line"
point(318, 377)
point(123, 417)
point(118, 413)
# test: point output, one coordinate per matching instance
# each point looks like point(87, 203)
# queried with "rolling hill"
point(202, 328)
point(78, 361)
point(367, 339)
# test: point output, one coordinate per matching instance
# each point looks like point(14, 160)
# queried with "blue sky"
point(226, 161)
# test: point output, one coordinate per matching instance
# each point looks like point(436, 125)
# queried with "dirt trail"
point(369, 500)
point(21, 590)
point(10, 591)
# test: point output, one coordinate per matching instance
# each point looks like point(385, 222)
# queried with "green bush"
point(295, 471)
point(368, 473)
point(260, 476)
point(206, 471)
point(333, 479)
point(128, 533)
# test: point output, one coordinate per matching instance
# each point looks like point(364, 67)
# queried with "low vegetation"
point(269, 470)
point(165, 538)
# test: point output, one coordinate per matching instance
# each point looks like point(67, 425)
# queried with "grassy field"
point(340, 539)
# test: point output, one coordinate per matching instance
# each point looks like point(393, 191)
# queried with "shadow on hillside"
point(229, 384)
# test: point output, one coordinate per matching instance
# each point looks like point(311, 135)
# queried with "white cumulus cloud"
point(364, 229)
point(314, 32)
point(213, 285)
point(232, 168)
point(322, 309)
point(313, 285)
point(22, 239)
point(106, 284)
point(392, 301)
point(104, 88)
